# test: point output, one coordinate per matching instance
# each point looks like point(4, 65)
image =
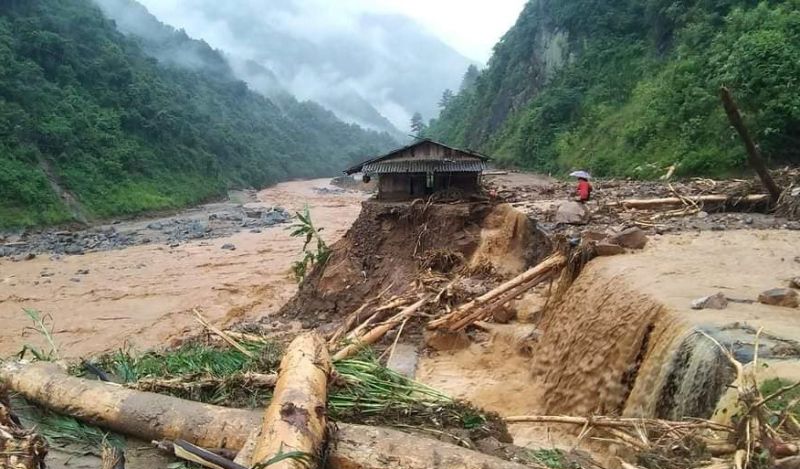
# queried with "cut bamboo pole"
point(296, 418)
point(151, 416)
point(552, 264)
point(378, 332)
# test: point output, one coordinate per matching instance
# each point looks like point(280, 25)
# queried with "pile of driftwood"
point(293, 432)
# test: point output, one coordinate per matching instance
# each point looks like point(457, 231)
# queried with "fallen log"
point(296, 418)
point(753, 154)
point(151, 416)
point(486, 311)
point(618, 422)
point(675, 202)
point(378, 332)
point(543, 270)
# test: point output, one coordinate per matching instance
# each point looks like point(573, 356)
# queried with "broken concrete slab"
point(785, 297)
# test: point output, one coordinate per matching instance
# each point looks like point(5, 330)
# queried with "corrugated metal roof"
point(410, 166)
point(362, 167)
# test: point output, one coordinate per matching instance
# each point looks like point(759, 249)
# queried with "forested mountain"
point(371, 68)
point(91, 125)
point(631, 87)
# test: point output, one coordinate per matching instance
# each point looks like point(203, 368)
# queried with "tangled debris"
point(19, 448)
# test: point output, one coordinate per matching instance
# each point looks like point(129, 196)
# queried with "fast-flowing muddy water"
point(143, 296)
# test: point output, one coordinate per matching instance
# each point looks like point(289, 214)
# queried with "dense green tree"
point(633, 88)
point(470, 78)
point(86, 111)
point(417, 124)
point(447, 98)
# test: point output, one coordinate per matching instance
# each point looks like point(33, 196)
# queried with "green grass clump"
point(780, 403)
point(65, 431)
point(552, 458)
point(191, 359)
point(363, 390)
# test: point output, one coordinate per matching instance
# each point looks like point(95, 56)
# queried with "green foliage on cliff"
point(630, 87)
point(84, 111)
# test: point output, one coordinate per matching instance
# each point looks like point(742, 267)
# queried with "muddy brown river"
point(143, 296)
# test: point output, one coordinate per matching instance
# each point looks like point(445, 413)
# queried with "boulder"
point(228, 247)
point(718, 301)
point(443, 341)
point(504, 315)
point(785, 297)
point(275, 217)
point(572, 213)
point(795, 283)
point(632, 238)
point(73, 250)
point(608, 249)
point(590, 235)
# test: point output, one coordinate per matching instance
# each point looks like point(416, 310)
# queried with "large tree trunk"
point(753, 155)
point(151, 416)
point(296, 418)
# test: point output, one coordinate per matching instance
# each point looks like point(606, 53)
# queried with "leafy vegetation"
point(633, 88)
point(86, 114)
point(788, 402)
point(305, 228)
point(364, 391)
point(552, 458)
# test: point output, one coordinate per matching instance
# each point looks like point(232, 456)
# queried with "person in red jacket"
point(584, 190)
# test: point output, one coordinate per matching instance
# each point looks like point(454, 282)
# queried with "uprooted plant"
point(305, 228)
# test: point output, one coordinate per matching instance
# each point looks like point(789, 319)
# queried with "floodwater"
point(143, 296)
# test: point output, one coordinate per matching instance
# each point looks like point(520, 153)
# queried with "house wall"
point(403, 186)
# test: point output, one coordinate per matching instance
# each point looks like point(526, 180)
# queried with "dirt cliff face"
point(390, 244)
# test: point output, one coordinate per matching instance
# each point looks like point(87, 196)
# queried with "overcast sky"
point(470, 26)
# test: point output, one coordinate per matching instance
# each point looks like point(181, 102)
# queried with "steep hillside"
point(366, 66)
point(90, 125)
point(630, 87)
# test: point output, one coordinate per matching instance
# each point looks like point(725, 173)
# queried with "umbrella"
point(580, 174)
